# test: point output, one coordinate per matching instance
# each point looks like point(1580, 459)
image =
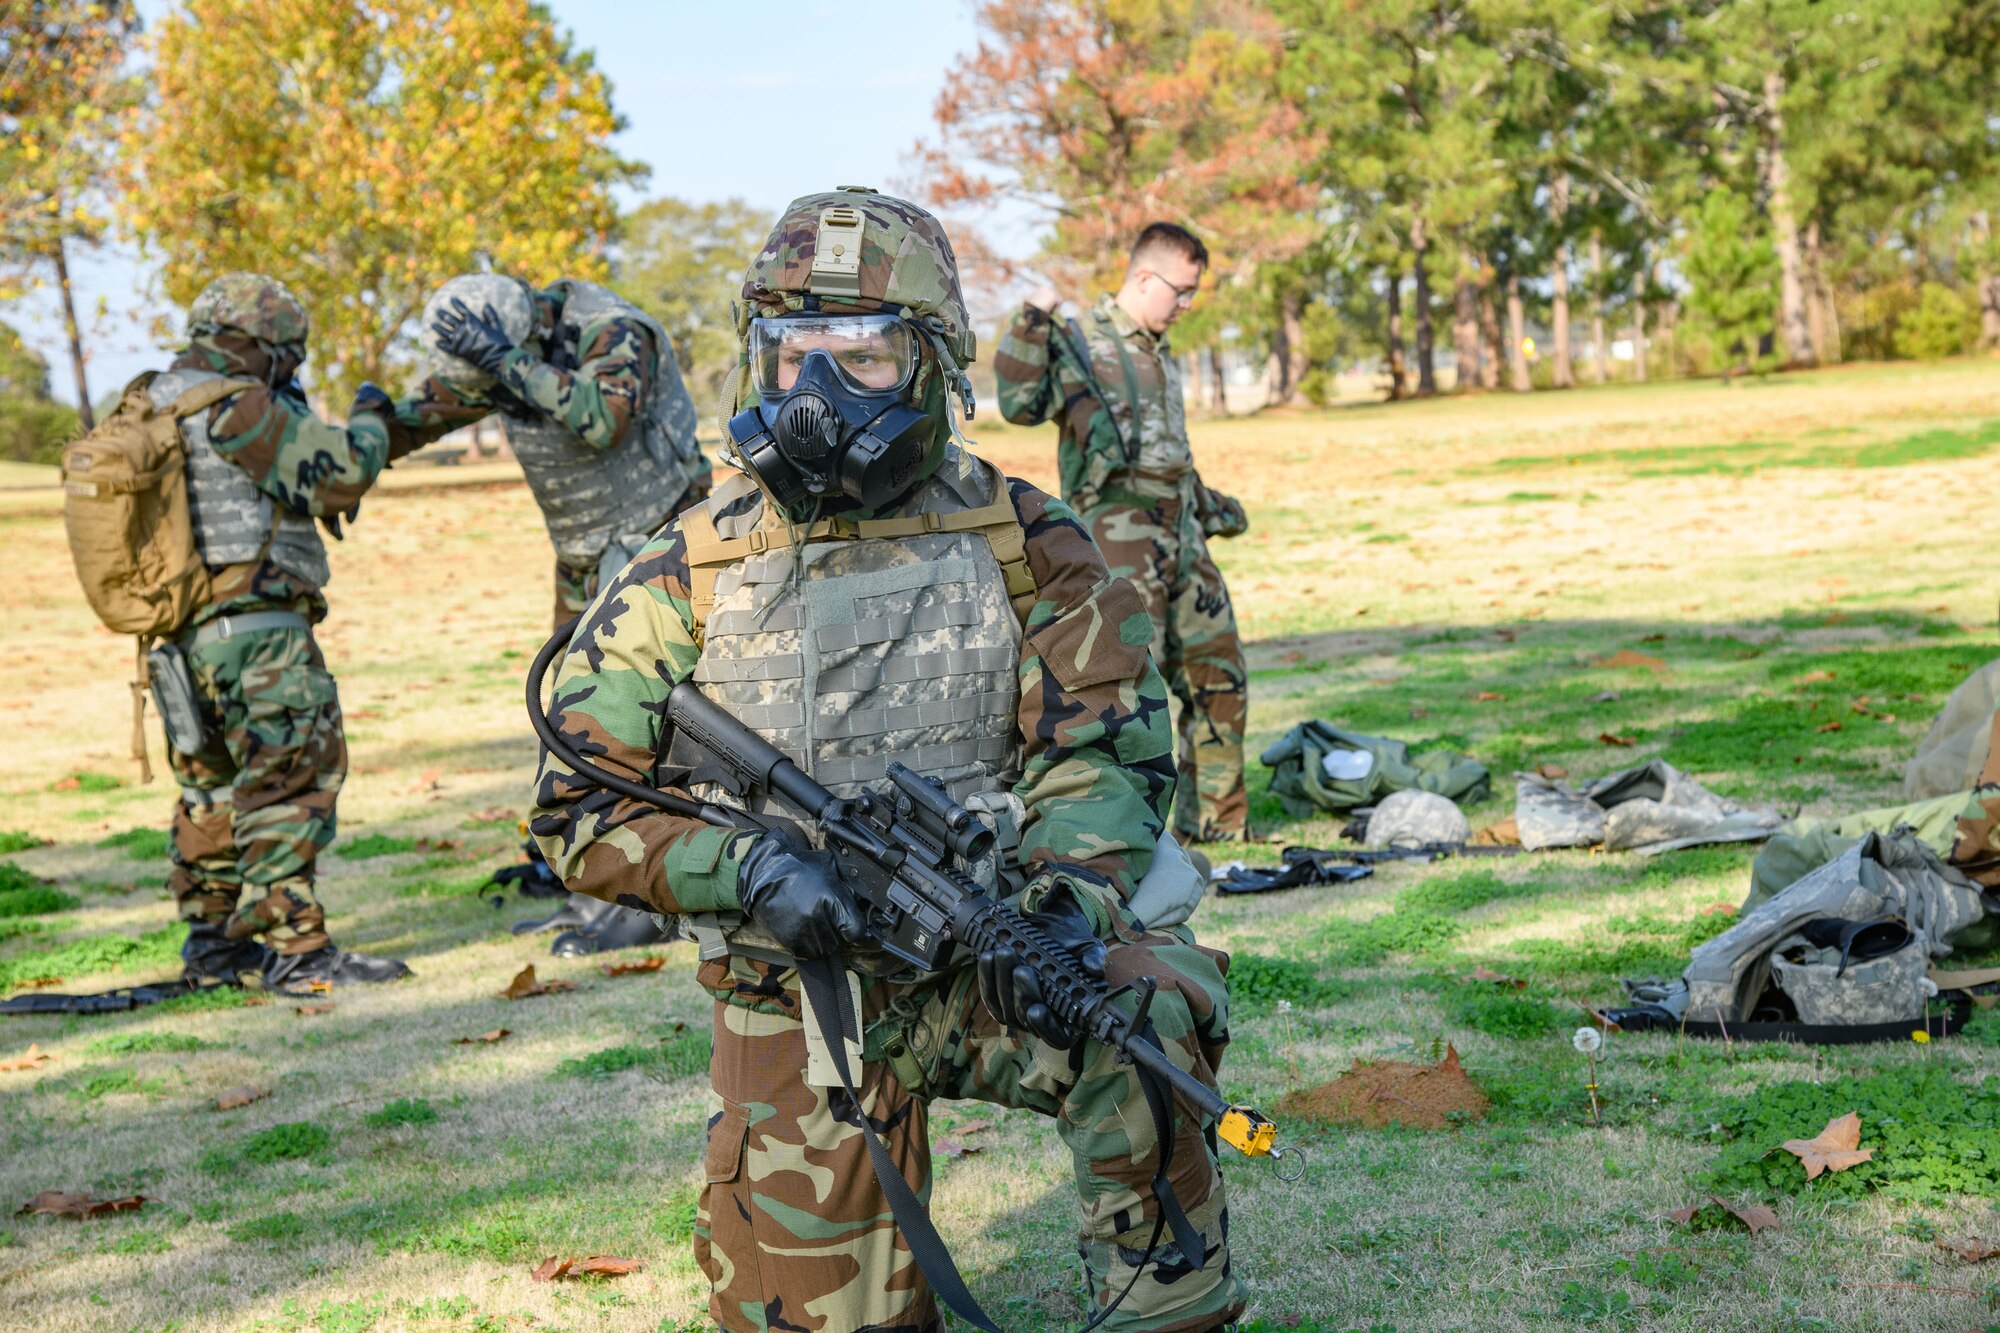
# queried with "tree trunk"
point(1291, 344)
point(1601, 353)
point(1420, 253)
point(1398, 372)
point(1465, 328)
point(1794, 334)
point(1669, 316)
point(1489, 335)
point(1517, 356)
point(1639, 324)
point(1989, 311)
point(1217, 385)
point(1560, 373)
point(83, 412)
point(1823, 320)
point(1191, 383)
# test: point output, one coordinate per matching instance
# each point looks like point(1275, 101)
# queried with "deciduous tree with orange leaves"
point(1108, 114)
point(365, 150)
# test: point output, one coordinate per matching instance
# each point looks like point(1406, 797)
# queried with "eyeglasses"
point(1182, 295)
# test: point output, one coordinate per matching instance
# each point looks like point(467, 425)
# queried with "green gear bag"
point(1300, 778)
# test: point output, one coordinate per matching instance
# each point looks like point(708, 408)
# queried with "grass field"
point(1444, 572)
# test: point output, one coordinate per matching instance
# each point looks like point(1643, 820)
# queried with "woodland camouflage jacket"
point(295, 458)
point(1098, 772)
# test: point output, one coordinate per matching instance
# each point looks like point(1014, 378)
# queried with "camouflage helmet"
point(510, 298)
point(250, 303)
point(1416, 819)
point(856, 250)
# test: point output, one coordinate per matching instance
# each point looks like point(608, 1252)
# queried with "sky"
point(761, 102)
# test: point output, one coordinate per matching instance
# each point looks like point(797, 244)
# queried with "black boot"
point(535, 877)
point(305, 973)
point(613, 927)
point(209, 956)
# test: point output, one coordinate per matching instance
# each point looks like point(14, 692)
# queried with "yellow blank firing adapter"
point(1251, 1133)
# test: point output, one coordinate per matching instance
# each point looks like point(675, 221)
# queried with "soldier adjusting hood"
point(248, 326)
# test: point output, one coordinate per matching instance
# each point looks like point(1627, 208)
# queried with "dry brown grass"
point(1375, 528)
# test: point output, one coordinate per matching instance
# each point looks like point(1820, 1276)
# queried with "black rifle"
point(901, 850)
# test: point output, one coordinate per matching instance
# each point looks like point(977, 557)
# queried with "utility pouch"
point(174, 697)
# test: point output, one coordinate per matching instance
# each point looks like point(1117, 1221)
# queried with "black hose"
point(559, 746)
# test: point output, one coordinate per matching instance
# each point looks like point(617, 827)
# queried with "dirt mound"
point(1378, 1093)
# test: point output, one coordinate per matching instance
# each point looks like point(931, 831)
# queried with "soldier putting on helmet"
point(1127, 467)
point(866, 591)
point(604, 429)
point(262, 756)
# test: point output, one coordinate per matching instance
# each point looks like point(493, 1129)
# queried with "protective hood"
point(235, 353)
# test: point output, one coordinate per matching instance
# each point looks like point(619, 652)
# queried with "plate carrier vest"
point(230, 515)
point(590, 496)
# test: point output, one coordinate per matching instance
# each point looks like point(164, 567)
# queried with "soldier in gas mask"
point(604, 429)
point(866, 591)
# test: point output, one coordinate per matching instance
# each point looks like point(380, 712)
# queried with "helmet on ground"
point(250, 303)
point(1415, 819)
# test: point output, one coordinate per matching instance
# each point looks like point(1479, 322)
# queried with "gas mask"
point(832, 419)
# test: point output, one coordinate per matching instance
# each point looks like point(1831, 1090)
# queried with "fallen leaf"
point(1836, 1148)
point(36, 983)
point(1490, 697)
point(635, 965)
point(1506, 833)
point(57, 1203)
point(1506, 635)
point(495, 1035)
point(1719, 909)
point(314, 1010)
point(1859, 706)
point(1613, 738)
point(971, 1127)
point(524, 984)
point(492, 814)
point(235, 1097)
point(1417, 714)
point(1625, 657)
point(1654, 638)
point(1885, 717)
point(1814, 677)
point(953, 1148)
point(1552, 771)
point(66, 784)
point(1757, 1216)
point(1831, 726)
point(31, 1059)
point(1972, 1249)
point(599, 1265)
point(437, 844)
point(429, 781)
point(1362, 612)
point(364, 715)
point(1497, 978)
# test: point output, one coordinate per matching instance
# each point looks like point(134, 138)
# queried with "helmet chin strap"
point(961, 383)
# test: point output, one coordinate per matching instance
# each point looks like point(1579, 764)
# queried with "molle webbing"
point(708, 554)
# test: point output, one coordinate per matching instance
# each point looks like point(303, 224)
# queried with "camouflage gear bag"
point(1316, 767)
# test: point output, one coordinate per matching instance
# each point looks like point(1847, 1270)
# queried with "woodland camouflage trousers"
point(257, 803)
point(794, 1233)
point(1160, 548)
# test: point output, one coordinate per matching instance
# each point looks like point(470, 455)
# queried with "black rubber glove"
point(372, 398)
point(510, 404)
point(1012, 991)
point(800, 898)
point(478, 338)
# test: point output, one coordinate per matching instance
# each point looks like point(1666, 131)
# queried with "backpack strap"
point(709, 553)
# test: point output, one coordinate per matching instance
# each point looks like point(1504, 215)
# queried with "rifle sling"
point(832, 1007)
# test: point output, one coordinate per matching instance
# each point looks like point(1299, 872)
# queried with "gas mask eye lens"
point(872, 354)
